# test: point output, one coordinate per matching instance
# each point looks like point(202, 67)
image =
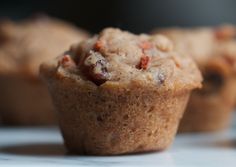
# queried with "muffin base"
point(25, 101)
point(115, 119)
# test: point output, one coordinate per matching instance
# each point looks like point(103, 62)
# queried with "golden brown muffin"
point(120, 93)
point(24, 100)
point(214, 51)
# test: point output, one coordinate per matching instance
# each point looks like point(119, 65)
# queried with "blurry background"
point(134, 15)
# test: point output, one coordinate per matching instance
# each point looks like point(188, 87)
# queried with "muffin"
point(213, 49)
point(24, 100)
point(120, 93)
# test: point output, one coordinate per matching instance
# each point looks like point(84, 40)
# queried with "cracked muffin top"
point(24, 45)
point(115, 57)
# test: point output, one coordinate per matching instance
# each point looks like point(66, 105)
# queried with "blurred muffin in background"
point(24, 100)
point(214, 50)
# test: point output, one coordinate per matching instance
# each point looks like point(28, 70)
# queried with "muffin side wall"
point(117, 120)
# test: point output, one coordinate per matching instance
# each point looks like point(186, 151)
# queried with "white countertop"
point(43, 147)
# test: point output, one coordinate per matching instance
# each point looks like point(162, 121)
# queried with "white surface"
point(43, 147)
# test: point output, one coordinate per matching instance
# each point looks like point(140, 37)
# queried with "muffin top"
point(24, 45)
point(119, 57)
point(206, 45)
point(197, 43)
